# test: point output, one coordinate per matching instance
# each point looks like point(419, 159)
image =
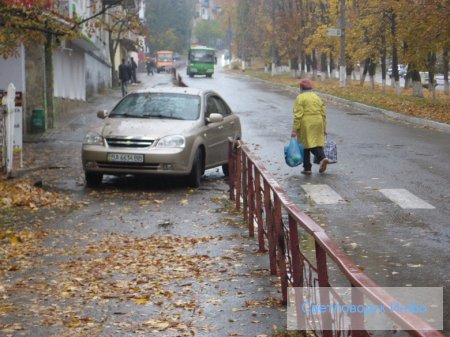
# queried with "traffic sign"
point(334, 32)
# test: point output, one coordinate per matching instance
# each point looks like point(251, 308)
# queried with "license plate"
point(126, 157)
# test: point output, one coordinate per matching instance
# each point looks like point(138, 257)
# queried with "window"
point(222, 108)
point(211, 106)
point(156, 105)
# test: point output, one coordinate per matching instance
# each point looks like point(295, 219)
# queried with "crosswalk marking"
point(405, 199)
point(323, 194)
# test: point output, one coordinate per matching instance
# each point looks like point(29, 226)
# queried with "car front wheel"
point(93, 178)
point(194, 177)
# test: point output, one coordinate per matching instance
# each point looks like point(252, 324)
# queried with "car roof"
point(175, 90)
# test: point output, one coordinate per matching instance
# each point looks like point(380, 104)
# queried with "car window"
point(158, 105)
point(211, 106)
point(222, 108)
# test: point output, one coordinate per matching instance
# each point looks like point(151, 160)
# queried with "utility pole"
point(342, 63)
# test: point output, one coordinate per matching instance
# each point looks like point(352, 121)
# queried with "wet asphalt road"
point(394, 246)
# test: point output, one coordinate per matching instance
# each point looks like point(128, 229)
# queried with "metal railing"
point(276, 221)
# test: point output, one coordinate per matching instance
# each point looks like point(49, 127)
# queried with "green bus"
point(201, 61)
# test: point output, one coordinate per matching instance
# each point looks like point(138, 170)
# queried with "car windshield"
point(158, 105)
point(165, 58)
point(202, 56)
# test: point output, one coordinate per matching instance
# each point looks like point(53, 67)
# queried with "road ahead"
point(386, 201)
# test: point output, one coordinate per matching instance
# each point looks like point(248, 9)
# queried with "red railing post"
point(269, 224)
point(297, 270)
point(238, 181)
point(322, 271)
point(251, 199)
point(245, 186)
point(281, 247)
point(297, 260)
point(258, 212)
point(231, 167)
point(357, 318)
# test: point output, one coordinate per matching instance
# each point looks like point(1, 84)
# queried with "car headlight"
point(172, 141)
point(93, 138)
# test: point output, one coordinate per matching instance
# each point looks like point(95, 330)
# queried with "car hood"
point(149, 128)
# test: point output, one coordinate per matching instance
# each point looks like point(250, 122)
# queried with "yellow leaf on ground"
point(157, 324)
point(142, 300)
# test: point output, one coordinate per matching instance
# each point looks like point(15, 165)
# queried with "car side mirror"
point(102, 114)
point(214, 118)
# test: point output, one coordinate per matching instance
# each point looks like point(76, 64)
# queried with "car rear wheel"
point(93, 178)
point(195, 176)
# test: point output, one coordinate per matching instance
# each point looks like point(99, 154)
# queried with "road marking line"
point(405, 199)
point(323, 194)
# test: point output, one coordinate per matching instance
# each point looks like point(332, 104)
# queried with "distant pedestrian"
point(133, 65)
point(124, 76)
point(310, 121)
point(150, 66)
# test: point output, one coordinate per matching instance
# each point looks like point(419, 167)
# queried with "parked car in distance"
point(178, 131)
point(425, 79)
point(402, 70)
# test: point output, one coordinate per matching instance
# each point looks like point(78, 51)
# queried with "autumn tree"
point(28, 23)
point(208, 32)
point(290, 33)
point(169, 23)
point(378, 32)
point(428, 39)
point(36, 23)
point(245, 29)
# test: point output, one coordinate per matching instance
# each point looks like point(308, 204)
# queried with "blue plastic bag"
point(293, 153)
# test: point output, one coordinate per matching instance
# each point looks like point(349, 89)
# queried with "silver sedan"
point(166, 130)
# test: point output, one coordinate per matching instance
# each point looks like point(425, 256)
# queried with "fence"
point(278, 221)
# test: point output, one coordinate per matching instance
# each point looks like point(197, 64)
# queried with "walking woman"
point(310, 121)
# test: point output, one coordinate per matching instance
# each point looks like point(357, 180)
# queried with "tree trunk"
point(324, 65)
point(294, 66)
point(349, 69)
point(372, 71)
point(446, 70)
point(416, 83)
point(49, 85)
point(331, 63)
point(431, 65)
point(383, 64)
point(408, 77)
point(314, 65)
point(308, 63)
point(112, 53)
point(364, 73)
point(395, 76)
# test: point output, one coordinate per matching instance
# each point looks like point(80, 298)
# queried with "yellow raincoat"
point(310, 120)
